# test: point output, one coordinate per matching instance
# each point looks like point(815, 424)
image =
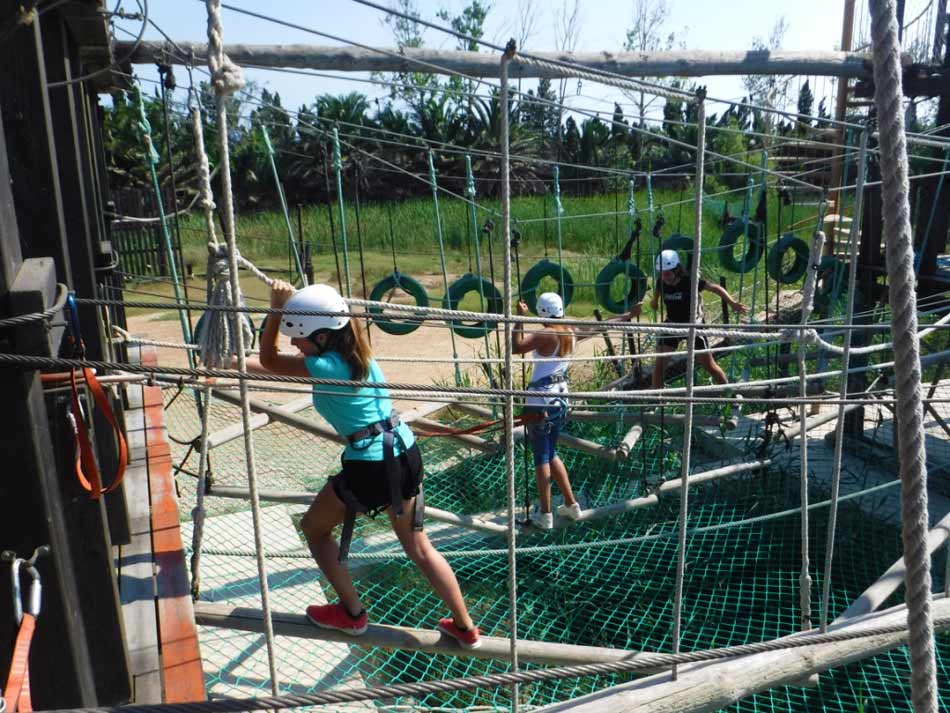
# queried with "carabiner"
point(35, 592)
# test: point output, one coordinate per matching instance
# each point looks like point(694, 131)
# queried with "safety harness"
point(546, 381)
point(387, 428)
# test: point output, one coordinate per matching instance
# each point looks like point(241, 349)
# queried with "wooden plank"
point(405, 639)
point(182, 676)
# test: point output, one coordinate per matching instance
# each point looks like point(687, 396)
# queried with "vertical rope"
point(509, 374)
point(843, 387)
point(283, 206)
point(151, 158)
point(559, 213)
point(808, 292)
point(690, 368)
point(445, 275)
point(226, 78)
point(206, 200)
point(477, 246)
point(902, 295)
point(338, 170)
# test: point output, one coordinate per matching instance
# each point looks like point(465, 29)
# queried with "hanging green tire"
point(200, 325)
point(456, 293)
point(774, 259)
point(540, 270)
point(605, 279)
point(833, 274)
point(681, 244)
point(734, 235)
point(411, 287)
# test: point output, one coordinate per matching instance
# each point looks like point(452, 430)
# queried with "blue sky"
point(716, 25)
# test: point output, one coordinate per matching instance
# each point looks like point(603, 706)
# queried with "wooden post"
point(841, 107)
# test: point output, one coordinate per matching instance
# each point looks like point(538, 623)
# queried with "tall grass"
point(592, 230)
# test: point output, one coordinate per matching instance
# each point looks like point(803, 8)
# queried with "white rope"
point(902, 294)
point(509, 408)
point(811, 278)
point(843, 387)
point(206, 197)
point(690, 372)
point(226, 80)
point(198, 513)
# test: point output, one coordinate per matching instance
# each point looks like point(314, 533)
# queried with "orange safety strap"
point(17, 690)
point(85, 457)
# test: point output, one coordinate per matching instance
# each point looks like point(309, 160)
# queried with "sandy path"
point(430, 340)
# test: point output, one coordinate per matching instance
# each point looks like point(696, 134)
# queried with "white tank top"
point(553, 393)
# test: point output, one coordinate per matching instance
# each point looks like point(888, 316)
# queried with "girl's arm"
point(721, 292)
point(272, 361)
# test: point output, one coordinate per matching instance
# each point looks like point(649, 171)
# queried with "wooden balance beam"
point(430, 641)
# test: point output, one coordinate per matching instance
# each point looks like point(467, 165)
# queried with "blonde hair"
point(351, 343)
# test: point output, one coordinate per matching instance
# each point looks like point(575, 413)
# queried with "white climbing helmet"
point(667, 260)
point(550, 304)
point(317, 298)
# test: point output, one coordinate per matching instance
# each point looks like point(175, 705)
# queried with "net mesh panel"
point(741, 582)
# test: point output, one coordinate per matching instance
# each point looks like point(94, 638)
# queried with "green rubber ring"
point(461, 287)
point(773, 260)
point(681, 244)
point(533, 277)
point(733, 236)
point(833, 274)
point(605, 279)
point(410, 286)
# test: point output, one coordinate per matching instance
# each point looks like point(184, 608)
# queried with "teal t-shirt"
point(354, 408)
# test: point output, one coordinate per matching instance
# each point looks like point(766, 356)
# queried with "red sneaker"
point(335, 616)
point(468, 639)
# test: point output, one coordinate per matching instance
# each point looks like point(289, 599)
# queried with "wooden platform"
point(153, 580)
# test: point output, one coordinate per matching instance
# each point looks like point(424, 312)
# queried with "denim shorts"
point(544, 434)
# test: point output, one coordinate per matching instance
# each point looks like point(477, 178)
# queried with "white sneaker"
point(542, 520)
point(572, 512)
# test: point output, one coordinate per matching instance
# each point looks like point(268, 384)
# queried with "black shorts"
point(366, 479)
point(673, 341)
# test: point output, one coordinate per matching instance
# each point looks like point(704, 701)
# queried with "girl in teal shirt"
point(381, 465)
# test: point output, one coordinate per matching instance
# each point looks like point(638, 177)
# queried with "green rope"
point(559, 212)
point(152, 159)
point(445, 275)
point(470, 194)
point(338, 170)
point(283, 206)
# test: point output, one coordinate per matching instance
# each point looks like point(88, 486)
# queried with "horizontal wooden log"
point(629, 441)
point(651, 417)
point(875, 595)
point(258, 420)
point(467, 439)
point(714, 685)
point(672, 487)
point(405, 639)
point(469, 522)
point(685, 63)
point(278, 414)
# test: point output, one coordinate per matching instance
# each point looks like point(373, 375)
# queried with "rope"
point(642, 662)
point(445, 275)
point(811, 278)
point(902, 296)
point(843, 385)
point(338, 171)
point(198, 513)
point(690, 371)
point(283, 206)
point(509, 414)
point(227, 79)
point(206, 200)
point(218, 339)
point(62, 292)
point(476, 245)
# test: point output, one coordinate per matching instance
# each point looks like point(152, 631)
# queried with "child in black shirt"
point(674, 287)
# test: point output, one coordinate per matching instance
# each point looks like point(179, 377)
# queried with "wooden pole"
point(841, 108)
point(691, 63)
